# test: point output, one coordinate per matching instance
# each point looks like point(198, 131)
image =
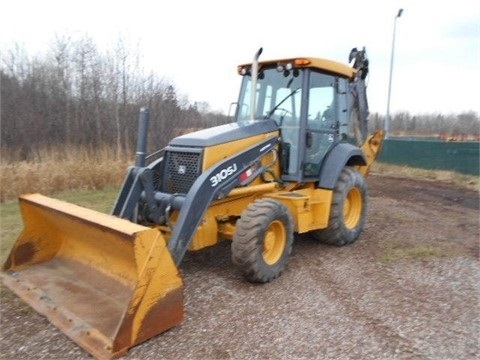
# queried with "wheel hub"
point(274, 243)
point(352, 208)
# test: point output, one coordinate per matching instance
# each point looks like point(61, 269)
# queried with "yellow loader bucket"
point(107, 283)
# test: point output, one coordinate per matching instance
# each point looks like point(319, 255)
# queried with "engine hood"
point(224, 133)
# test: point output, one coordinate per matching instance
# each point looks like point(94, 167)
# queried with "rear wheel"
point(263, 240)
point(348, 210)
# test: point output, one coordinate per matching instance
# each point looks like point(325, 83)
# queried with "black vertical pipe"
point(141, 153)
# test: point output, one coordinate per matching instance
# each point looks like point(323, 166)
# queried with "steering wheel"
point(284, 113)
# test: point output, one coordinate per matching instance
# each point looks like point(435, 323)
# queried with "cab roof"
point(330, 66)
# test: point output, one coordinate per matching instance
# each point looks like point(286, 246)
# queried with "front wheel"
point(263, 240)
point(348, 210)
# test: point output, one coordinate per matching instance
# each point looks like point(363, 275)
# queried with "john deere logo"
point(182, 169)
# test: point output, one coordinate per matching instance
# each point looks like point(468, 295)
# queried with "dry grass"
point(56, 171)
point(461, 180)
point(62, 171)
point(410, 252)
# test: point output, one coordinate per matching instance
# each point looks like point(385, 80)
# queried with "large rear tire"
point(348, 211)
point(263, 240)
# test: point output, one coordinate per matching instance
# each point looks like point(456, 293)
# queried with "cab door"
point(326, 114)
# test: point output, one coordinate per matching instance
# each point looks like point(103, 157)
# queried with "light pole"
point(387, 117)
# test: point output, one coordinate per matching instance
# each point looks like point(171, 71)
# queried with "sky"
point(197, 44)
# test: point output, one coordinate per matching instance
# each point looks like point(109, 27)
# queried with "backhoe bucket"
point(107, 283)
point(371, 148)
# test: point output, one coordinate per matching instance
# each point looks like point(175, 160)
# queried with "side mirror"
point(232, 110)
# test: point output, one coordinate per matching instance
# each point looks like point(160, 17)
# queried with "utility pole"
point(387, 117)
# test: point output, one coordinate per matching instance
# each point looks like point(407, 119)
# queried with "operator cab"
point(308, 99)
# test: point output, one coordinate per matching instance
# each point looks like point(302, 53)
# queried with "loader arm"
point(205, 190)
point(139, 185)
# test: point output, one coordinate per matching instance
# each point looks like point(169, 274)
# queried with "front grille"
point(182, 170)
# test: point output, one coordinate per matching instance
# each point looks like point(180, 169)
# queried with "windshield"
point(278, 96)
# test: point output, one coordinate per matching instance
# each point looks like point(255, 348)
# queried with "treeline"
point(404, 123)
point(76, 96)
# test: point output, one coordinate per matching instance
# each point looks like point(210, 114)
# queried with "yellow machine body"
point(110, 283)
point(308, 205)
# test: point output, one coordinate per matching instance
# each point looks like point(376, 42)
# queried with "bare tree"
point(76, 95)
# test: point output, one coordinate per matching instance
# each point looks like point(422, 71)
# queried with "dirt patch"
point(407, 289)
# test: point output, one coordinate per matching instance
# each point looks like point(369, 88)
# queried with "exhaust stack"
point(254, 84)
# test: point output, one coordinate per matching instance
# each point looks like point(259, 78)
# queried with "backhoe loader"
point(293, 161)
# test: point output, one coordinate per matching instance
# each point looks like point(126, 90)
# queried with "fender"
point(341, 155)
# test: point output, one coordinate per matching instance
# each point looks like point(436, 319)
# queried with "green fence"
point(462, 157)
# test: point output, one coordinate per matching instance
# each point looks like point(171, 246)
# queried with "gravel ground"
point(407, 289)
